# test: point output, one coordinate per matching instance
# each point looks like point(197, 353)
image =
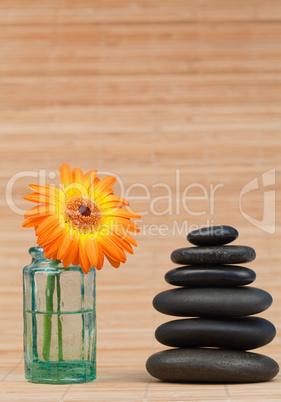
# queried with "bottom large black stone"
point(211, 366)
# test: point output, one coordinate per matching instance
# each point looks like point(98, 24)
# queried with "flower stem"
point(47, 326)
point(59, 319)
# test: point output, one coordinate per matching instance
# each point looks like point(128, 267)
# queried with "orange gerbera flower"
point(83, 221)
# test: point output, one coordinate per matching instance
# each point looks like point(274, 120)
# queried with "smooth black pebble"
point(211, 365)
point(213, 236)
point(212, 275)
point(212, 302)
point(213, 255)
point(236, 333)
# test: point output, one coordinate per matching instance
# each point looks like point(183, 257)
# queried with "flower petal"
point(49, 190)
point(122, 243)
point(73, 249)
point(105, 184)
point(65, 175)
point(38, 198)
point(111, 249)
point(65, 246)
point(119, 229)
point(99, 197)
point(30, 222)
point(111, 205)
point(40, 210)
point(47, 237)
point(124, 213)
point(90, 177)
point(115, 264)
point(114, 198)
point(92, 186)
point(100, 256)
point(76, 260)
point(52, 247)
point(126, 223)
point(48, 223)
point(77, 176)
point(92, 251)
point(84, 259)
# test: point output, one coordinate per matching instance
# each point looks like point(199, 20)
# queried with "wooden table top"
point(178, 99)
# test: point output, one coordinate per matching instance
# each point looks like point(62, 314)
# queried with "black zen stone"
point(210, 275)
point(213, 236)
point(211, 366)
point(213, 255)
point(236, 333)
point(212, 302)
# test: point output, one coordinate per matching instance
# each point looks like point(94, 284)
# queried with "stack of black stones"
point(212, 347)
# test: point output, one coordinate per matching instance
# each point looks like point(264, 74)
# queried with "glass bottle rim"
point(37, 252)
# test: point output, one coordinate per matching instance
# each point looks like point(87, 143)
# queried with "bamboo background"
point(150, 91)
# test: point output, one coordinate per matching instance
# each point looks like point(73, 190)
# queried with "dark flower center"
point(84, 211)
point(83, 214)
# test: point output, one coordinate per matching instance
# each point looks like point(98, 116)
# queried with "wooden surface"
point(141, 89)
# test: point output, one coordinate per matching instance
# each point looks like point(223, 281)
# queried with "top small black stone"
point(213, 236)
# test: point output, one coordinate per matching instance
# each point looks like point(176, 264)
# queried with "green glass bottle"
point(59, 322)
